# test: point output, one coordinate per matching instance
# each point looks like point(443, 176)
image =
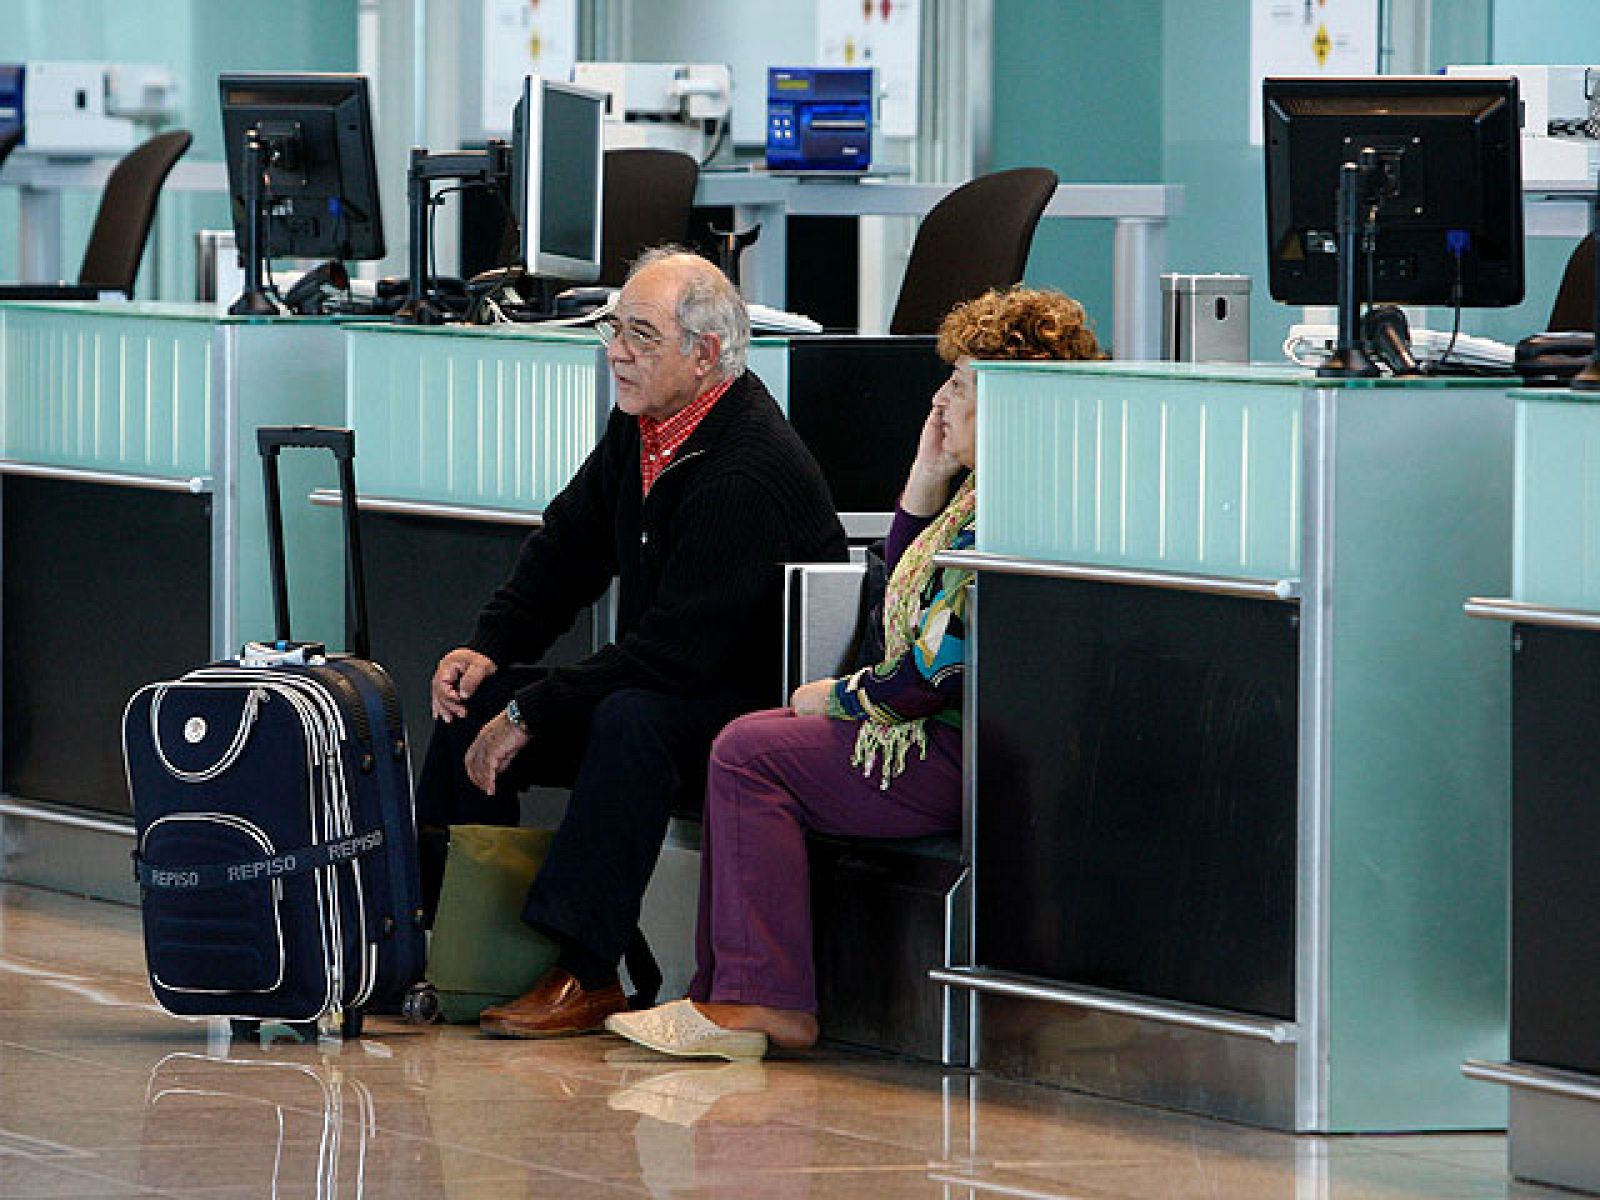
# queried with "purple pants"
point(774, 776)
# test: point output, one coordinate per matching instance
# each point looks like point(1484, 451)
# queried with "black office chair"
point(127, 210)
point(648, 197)
point(975, 239)
point(1574, 306)
point(8, 142)
point(121, 226)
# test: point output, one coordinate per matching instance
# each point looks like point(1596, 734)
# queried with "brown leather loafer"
point(557, 1006)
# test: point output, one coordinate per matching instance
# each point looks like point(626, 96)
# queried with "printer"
point(820, 118)
point(1560, 118)
point(667, 106)
point(83, 109)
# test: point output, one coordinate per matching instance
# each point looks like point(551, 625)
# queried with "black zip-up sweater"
point(700, 596)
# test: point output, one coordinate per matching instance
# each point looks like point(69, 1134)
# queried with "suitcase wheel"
point(350, 1022)
point(421, 1004)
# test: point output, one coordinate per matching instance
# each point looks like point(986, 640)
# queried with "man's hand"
point(455, 679)
point(492, 750)
point(811, 699)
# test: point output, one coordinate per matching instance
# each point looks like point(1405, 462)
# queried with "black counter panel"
point(106, 588)
point(427, 577)
point(859, 405)
point(1555, 849)
point(1136, 791)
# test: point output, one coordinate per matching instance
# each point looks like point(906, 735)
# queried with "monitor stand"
point(254, 300)
point(1349, 359)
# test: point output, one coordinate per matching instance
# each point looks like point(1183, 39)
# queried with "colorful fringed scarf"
point(902, 612)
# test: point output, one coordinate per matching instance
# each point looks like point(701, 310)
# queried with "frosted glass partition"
point(1100, 464)
point(163, 393)
point(1556, 539)
point(482, 417)
point(769, 359)
point(129, 387)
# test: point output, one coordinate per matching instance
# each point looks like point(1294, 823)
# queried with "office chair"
point(1574, 306)
point(8, 142)
point(127, 210)
point(975, 239)
point(121, 225)
point(648, 196)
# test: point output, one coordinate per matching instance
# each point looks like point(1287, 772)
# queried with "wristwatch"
point(514, 715)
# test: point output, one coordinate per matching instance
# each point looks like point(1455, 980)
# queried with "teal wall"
point(1078, 89)
point(1545, 31)
point(196, 40)
point(1160, 91)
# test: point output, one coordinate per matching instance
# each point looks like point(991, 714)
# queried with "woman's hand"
point(811, 699)
point(928, 486)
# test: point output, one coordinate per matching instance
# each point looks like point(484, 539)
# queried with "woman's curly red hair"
point(1018, 323)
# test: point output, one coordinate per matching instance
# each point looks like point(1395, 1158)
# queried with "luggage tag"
point(283, 654)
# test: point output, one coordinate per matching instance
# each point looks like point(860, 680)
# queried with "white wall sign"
point(522, 37)
point(886, 34)
point(1309, 37)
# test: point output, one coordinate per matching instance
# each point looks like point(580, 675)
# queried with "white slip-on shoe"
point(681, 1029)
point(683, 1095)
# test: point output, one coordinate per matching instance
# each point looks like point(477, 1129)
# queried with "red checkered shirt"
point(660, 440)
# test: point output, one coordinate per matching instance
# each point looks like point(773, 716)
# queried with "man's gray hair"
point(708, 303)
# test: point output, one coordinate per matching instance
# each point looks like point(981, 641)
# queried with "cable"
point(1457, 240)
point(716, 140)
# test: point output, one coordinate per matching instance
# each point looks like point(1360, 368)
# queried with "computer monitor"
point(1444, 182)
point(557, 178)
point(315, 193)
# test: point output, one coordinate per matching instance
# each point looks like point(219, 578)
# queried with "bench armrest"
point(821, 604)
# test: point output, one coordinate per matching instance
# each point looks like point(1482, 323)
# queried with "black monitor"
point(315, 191)
point(1436, 176)
point(557, 178)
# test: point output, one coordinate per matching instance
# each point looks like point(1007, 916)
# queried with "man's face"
point(655, 376)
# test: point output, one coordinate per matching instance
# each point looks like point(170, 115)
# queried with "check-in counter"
point(1552, 1073)
point(134, 542)
point(1238, 766)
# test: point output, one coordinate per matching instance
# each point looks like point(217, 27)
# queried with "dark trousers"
point(644, 757)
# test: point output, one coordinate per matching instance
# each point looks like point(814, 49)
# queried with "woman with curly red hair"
point(875, 754)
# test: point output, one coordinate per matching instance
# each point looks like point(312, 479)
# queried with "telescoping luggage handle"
point(271, 439)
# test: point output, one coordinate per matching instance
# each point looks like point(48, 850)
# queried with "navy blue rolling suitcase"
point(276, 838)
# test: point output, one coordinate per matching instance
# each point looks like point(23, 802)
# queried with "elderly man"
point(697, 490)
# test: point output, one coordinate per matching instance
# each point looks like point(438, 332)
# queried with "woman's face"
point(957, 405)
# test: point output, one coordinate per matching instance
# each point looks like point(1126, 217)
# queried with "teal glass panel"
point(1418, 744)
point(123, 389)
point(769, 359)
point(472, 417)
point(1175, 471)
point(1556, 548)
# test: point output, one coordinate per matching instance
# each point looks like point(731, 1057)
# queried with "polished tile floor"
point(103, 1095)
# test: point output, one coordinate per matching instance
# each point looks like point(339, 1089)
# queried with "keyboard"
point(764, 319)
point(1309, 345)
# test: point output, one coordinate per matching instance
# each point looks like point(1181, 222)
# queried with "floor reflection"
point(103, 1096)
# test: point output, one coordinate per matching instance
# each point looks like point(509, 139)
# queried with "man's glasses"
point(637, 340)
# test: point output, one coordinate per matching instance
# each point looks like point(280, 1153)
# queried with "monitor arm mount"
point(490, 167)
point(1361, 187)
point(262, 151)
